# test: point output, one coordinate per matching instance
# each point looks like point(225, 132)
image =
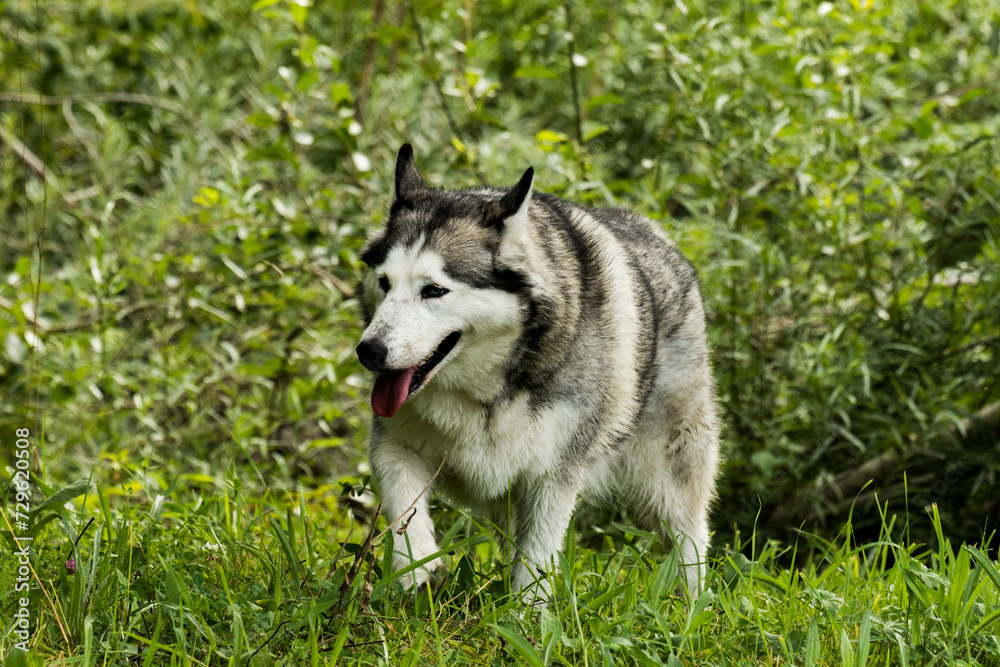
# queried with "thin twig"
point(342, 287)
point(422, 492)
point(268, 640)
point(32, 161)
point(35, 164)
point(78, 131)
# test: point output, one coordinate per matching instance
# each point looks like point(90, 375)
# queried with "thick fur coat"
point(537, 352)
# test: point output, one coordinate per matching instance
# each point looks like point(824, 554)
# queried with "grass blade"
point(864, 639)
point(520, 645)
point(812, 652)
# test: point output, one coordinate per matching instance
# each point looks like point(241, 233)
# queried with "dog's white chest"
point(487, 450)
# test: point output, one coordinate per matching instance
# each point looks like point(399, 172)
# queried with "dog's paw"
point(417, 580)
point(434, 580)
point(533, 585)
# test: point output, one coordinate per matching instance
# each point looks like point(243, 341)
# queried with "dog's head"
point(438, 297)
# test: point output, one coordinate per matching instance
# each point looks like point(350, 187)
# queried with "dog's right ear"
point(409, 182)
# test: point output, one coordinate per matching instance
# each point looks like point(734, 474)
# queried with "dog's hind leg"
point(669, 482)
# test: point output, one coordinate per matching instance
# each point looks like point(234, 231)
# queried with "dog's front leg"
point(404, 478)
point(543, 513)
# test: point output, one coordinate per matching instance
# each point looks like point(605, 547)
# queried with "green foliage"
point(183, 193)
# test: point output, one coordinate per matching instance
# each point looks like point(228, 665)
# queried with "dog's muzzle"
point(372, 355)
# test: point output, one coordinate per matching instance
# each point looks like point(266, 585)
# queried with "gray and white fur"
point(539, 352)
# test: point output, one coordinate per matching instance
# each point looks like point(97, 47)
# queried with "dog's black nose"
point(372, 355)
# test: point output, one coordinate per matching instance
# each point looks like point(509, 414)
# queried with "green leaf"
point(916, 586)
point(520, 645)
point(596, 131)
point(846, 654)
point(273, 152)
point(864, 638)
point(62, 496)
point(904, 651)
point(699, 613)
point(666, 577)
point(340, 93)
point(175, 590)
point(261, 119)
point(552, 631)
point(601, 100)
point(299, 13)
point(307, 80)
point(548, 136)
point(923, 127)
point(812, 645)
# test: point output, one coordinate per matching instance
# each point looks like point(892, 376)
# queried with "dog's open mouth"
point(393, 388)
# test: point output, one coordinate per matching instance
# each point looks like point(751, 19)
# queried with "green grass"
point(297, 580)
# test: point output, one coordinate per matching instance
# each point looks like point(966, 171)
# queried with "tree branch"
point(32, 161)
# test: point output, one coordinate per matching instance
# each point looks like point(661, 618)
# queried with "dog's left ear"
point(409, 182)
point(512, 209)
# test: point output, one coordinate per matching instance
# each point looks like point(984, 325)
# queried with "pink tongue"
point(390, 391)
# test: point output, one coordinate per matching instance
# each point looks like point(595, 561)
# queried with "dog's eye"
point(433, 291)
point(383, 282)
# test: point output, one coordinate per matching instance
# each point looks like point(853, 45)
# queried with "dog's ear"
point(512, 209)
point(409, 182)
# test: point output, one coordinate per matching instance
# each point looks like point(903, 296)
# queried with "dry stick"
point(32, 161)
point(369, 64)
point(371, 538)
point(462, 61)
point(36, 286)
point(78, 131)
point(345, 290)
point(422, 492)
point(35, 164)
point(45, 592)
point(572, 72)
point(268, 640)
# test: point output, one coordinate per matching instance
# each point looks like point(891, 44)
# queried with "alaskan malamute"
point(531, 351)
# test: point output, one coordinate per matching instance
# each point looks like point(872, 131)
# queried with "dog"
point(528, 352)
